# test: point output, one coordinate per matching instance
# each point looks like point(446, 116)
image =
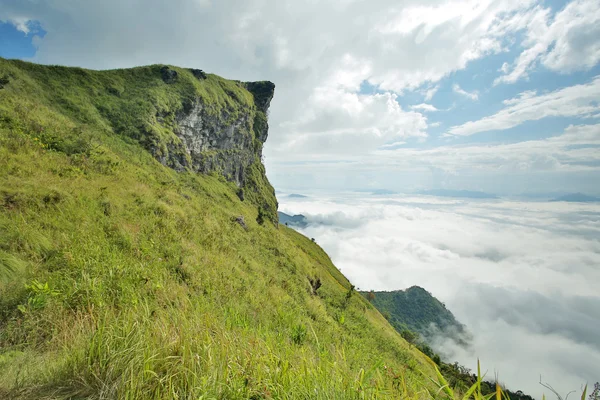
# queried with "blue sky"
point(15, 43)
point(512, 104)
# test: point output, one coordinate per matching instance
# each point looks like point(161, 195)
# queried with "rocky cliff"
point(227, 140)
point(189, 120)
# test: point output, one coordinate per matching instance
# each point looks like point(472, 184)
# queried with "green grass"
point(122, 278)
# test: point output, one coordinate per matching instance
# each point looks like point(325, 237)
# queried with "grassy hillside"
point(123, 278)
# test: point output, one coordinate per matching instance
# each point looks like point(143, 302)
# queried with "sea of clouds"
point(523, 276)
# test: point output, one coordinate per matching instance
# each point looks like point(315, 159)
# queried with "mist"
point(522, 276)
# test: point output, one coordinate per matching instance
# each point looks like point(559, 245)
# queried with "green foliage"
point(259, 192)
point(127, 279)
point(4, 81)
point(415, 310)
point(409, 336)
point(371, 296)
point(595, 394)
point(299, 334)
point(9, 264)
point(474, 391)
point(350, 292)
point(462, 380)
point(38, 296)
point(260, 219)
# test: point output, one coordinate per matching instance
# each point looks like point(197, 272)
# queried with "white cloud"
point(568, 42)
point(569, 162)
point(474, 95)
point(337, 120)
point(306, 48)
point(579, 101)
point(22, 24)
point(393, 145)
point(424, 107)
point(574, 150)
point(430, 92)
point(506, 269)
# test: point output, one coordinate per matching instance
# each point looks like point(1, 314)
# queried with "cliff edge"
point(187, 119)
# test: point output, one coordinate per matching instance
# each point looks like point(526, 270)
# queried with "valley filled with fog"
point(521, 275)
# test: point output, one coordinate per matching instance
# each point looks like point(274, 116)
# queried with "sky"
point(404, 95)
point(496, 96)
point(521, 275)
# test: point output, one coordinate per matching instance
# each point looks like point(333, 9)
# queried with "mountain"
point(382, 192)
point(415, 309)
point(297, 196)
point(413, 312)
point(141, 258)
point(376, 192)
point(577, 197)
point(458, 193)
point(295, 220)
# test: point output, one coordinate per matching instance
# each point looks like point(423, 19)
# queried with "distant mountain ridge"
point(470, 194)
point(577, 198)
point(417, 310)
point(382, 192)
point(298, 220)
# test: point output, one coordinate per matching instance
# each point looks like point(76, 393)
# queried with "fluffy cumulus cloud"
point(522, 276)
point(319, 53)
point(337, 119)
point(565, 42)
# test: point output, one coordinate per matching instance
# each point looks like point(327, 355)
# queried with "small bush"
point(39, 295)
point(4, 81)
point(315, 284)
point(371, 296)
point(262, 215)
point(409, 336)
point(298, 334)
point(349, 292)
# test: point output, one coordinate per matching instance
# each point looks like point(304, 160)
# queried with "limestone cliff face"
point(227, 141)
point(218, 126)
point(216, 144)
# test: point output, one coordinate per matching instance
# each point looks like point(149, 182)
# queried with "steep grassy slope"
point(123, 278)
